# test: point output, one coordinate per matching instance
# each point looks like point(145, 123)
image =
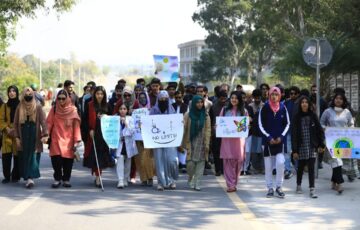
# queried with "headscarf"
point(147, 100)
point(156, 110)
point(13, 102)
point(129, 104)
point(68, 111)
point(197, 117)
point(275, 106)
point(27, 108)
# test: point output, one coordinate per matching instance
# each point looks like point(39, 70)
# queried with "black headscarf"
point(13, 102)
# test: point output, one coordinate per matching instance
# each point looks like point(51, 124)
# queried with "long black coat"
point(317, 135)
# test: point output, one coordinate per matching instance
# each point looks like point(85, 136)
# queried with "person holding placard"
point(196, 140)
point(146, 165)
point(63, 122)
point(127, 147)
point(232, 150)
point(96, 109)
point(339, 116)
point(307, 136)
point(166, 160)
point(274, 123)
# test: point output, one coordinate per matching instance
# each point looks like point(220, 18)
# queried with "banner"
point(137, 114)
point(232, 127)
point(162, 131)
point(343, 142)
point(167, 68)
point(110, 129)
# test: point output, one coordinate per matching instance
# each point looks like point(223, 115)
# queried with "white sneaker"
point(120, 184)
point(126, 183)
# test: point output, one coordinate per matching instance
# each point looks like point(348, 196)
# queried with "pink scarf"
point(275, 106)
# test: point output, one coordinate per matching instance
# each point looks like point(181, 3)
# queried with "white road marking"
point(25, 204)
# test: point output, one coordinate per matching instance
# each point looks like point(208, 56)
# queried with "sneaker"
point(242, 173)
point(144, 183)
point(66, 184)
point(299, 190)
point(120, 184)
point(312, 193)
point(30, 183)
point(270, 193)
point(288, 175)
point(197, 188)
point(351, 178)
point(247, 172)
point(279, 192)
point(56, 184)
point(172, 186)
point(126, 183)
point(150, 182)
point(160, 188)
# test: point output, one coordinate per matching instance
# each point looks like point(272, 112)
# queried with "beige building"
point(189, 53)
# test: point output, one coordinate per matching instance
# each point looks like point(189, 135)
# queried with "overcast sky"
point(110, 32)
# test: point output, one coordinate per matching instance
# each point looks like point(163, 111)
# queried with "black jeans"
point(216, 145)
point(62, 168)
point(337, 176)
point(13, 174)
point(311, 170)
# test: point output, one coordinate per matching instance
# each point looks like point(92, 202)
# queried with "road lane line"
point(25, 204)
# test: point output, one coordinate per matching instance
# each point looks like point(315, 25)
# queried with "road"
point(85, 207)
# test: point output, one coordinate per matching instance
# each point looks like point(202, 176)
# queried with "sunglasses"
point(127, 95)
point(61, 98)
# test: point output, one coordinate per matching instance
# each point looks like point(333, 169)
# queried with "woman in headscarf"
point(63, 123)
point(274, 123)
point(7, 115)
point(96, 109)
point(144, 160)
point(31, 132)
point(196, 140)
point(166, 160)
point(232, 150)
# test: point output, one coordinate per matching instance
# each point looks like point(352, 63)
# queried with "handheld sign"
point(343, 142)
point(136, 115)
point(162, 131)
point(232, 127)
point(167, 68)
point(110, 129)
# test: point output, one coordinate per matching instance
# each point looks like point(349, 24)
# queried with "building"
point(189, 53)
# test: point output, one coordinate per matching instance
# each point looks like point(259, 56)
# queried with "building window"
point(190, 70)
point(187, 52)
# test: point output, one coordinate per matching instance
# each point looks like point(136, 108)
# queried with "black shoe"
point(351, 178)
point(15, 180)
point(219, 174)
point(320, 166)
point(5, 181)
point(56, 184)
point(279, 192)
point(288, 175)
point(207, 165)
point(242, 173)
point(270, 193)
point(183, 170)
point(150, 182)
point(67, 185)
point(274, 172)
point(144, 183)
point(248, 172)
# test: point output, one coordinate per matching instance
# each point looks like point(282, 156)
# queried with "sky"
point(110, 32)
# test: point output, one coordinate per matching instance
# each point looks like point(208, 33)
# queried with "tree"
point(11, 11)
point(16, 72)
point(208, 68)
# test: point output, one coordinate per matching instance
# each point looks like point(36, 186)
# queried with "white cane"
point(97, 164)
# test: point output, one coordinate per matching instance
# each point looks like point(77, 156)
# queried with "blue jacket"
point(273, 125)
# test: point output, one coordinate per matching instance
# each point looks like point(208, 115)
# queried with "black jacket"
point(183, 107)
point(317, 135)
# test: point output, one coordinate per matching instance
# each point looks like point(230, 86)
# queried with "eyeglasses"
point(127, 95)
point(61, 98)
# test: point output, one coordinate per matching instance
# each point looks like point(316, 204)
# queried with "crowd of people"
point(286, 135)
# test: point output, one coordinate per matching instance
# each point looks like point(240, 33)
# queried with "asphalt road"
point(85, 207)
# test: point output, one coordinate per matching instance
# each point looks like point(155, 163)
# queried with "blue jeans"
point(288, 153)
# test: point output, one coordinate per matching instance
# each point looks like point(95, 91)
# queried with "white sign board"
point(136, 115)
point(232, 127)
point(162, 131)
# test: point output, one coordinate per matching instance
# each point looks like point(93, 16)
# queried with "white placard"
point(162, 131)
point(232, 127)
point(136, 115)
